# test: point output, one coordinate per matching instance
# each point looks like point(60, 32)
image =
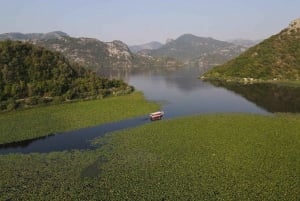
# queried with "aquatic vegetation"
point(209, 157)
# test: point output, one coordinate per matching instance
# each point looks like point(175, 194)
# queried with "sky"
point(141, 21)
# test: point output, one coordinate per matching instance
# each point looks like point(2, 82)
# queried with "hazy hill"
point(198, 50)
point(244, 42)
point(276, 58)
point(89, 52)
point(32, 75)
point(33, 36)
point(148, 46)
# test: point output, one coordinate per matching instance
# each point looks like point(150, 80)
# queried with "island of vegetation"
point(276, 59)
point(52, 119)
point(31, 75)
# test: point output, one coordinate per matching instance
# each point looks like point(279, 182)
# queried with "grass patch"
point(210, 157)
point(41, 121)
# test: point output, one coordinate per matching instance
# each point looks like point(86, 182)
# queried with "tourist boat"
point(156, 115)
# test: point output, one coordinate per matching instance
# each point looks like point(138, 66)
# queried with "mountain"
point(148, 46)
point(275, 59)
point(33, 36)
point(31, 75)
point(91, 53)
point(195, 50)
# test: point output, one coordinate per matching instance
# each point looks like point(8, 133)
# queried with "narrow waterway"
point(78, 139)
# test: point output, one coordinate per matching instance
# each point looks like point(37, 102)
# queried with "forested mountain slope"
point(276, 58)
point(32, 75)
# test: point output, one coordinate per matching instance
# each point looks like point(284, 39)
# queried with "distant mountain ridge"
point(275, 59)
point(244, 42)
point(187, 49)
point(33, 36)
point(89, 52)
point(196, 50)
point(147, 46)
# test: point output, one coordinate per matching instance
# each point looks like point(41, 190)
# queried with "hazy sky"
point(141, 21)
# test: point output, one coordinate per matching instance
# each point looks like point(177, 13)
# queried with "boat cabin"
point(156, 115)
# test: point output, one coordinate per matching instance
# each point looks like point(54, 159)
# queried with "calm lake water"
point(180, 93)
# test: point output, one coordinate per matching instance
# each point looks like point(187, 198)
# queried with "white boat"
point(156, 115)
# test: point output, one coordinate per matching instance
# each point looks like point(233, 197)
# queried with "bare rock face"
point(294, 25)
point(118, 49)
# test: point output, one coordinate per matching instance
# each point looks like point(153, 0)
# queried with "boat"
point(156, 115)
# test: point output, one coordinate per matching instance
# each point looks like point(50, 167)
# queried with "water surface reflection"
point(184, 94)
point(271, 97)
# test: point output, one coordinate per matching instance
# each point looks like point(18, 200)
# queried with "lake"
point(180, 93)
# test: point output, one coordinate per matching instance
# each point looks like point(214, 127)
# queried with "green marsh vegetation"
point(40, 121)
point(209, 157)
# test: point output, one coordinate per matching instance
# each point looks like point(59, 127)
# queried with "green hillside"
point(31, 75)
point(275, 59)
